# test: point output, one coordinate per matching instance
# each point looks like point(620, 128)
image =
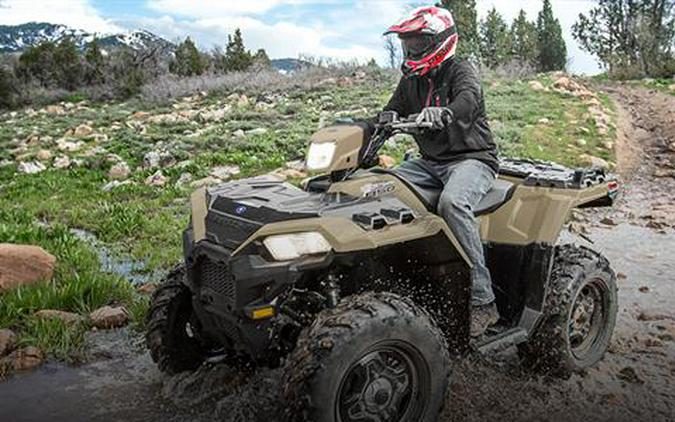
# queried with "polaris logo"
point(240, 210)
point(373, 190)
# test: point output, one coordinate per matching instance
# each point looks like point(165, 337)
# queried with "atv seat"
point(500, 193)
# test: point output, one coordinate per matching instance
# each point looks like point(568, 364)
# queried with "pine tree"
point(36, 64)
point(237, 58)
point(552, 48)
point(466, 19)
point(261, 60)
point(94, 63)
point(188, 60)
point(524, 40)
point(495, 40)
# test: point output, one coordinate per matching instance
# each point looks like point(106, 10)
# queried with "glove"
point(439, 117)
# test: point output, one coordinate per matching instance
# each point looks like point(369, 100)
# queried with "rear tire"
point(376, 356)
point(167, 321)
point(580, 314)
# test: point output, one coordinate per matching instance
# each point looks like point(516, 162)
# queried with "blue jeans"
point(457, 188)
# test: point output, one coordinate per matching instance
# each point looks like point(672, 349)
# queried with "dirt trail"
point(635, 381)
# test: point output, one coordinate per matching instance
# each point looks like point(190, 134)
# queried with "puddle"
point(133, 270)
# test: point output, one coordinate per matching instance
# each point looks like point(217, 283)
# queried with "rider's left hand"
point(439, 117)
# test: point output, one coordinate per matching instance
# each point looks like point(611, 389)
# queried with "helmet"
point(428, 36)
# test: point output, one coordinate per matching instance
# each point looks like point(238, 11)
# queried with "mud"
point(635, 381)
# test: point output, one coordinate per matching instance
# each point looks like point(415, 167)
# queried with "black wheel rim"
point(390, 382)
point(588, 318)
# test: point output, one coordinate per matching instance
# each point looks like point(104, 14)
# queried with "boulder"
point(119, 171)
point(543, 121)
point(257, 131)
point(7, 341)
point(54, 314)
point(69, 146)
point(24, 264)
point(239, 133)
point(23, 359)
point(671, 88)
point(31, 167)
point(225, 172)
point(283, 174)
point(62, 162)
point(109, 317)
point(83, 130)
point(151, 159)
point(207, 181)
point(55, 109)
point(184, 179)
point(156, 179)
point(140, 115)
point(581, 142)
point(594, 161)
point(146, 289)
point(44, 155)
point(537, 86)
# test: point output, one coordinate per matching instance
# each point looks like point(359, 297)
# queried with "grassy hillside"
point(255, 130)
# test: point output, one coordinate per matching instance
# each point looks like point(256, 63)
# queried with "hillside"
point(17, 38)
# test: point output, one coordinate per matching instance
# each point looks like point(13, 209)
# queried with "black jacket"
point(455, 85)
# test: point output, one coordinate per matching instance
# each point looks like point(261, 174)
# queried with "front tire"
point(580, 314)
point(167, 338)
point(376, 356)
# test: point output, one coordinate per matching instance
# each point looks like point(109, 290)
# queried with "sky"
point(342, 29)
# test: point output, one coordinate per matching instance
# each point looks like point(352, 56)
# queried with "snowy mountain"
point(17, 38)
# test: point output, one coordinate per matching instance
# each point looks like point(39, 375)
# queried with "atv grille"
point(215, 276)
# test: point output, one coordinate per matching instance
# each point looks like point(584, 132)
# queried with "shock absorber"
point(332, 291)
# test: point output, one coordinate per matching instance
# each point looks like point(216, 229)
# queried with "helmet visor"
point(416, 47)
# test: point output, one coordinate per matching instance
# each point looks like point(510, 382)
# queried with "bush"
point(7, 88)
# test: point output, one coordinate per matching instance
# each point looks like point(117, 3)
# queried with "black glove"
point(439, 117)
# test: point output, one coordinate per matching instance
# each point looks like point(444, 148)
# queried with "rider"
point(459, 156)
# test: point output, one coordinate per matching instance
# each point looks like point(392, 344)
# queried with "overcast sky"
point(345, 29)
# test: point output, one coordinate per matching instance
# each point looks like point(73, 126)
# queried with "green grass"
point(145, 223)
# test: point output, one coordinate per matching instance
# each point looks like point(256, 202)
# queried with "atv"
point(361, 290)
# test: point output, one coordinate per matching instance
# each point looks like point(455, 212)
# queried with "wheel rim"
point(389, 383)
point(588, 318)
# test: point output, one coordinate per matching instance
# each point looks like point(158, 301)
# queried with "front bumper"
point(226, 289)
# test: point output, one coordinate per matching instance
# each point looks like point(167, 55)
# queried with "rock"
point(628, 374)
point(242, 101)
point(584, 130)
point(225, 172)
point(62, 162)
point(151, 160)
point(387, 161)
point(24, 264)
point(69, 146)
point(119, 171)
point(643, 289)
point(257, 131)
point(83, 130)
point(298, 165)
point(23, 359)
point(609, 145)
point(31, 167)
point(284, 174)
point(345, 81)
point(239, 134)
point(55, 109)
point(6, 163)
point(537, 86)
point(543, 121)
point(109, 317)
point(44, 155)
point(114, 184)
point(608, 221)
point(146, 289)
point(140, 115)
point(581, 142)
point(7, 341)
point(207, 181)
point(671, 87)
point(621, 276)
point(594, 161)
point(156, 179)
point(53, 314)
point(184, 179)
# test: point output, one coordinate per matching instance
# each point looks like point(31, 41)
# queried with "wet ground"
point(634, 382)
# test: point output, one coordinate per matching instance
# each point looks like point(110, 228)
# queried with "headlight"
point(320, 155)
point(291, 246)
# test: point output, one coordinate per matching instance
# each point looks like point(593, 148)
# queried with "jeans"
point(458, 187)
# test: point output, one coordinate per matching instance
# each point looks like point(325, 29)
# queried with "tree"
point(7, 88)
point(261, 60)
point(393, 51)
point(37, 64)
point(466, 19)
point(551, 45)
point(68, 65)
point(188, 60)
point(524, 40)
point(94, 63)
point(631, 37)
point(495, 40)
point(237, 58)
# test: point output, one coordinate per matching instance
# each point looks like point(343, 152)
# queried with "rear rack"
point(551, 175)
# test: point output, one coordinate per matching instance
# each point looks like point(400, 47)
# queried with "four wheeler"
point(362, 290)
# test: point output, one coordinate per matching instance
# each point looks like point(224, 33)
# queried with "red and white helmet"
point(429, 37)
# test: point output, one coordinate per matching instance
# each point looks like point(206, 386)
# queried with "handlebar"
point(390, 120)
